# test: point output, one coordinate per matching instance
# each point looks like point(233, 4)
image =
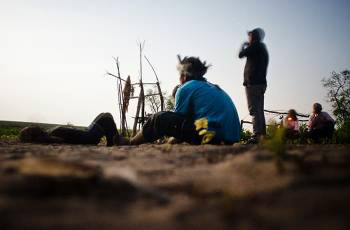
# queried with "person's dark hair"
point(257, 34)
point(317, 108)
point(33, 134)
point(193, 68)
point(292, 114)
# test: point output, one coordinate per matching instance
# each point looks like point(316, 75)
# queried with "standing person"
point(255, 71)
point(204, 113)
point(321, 124)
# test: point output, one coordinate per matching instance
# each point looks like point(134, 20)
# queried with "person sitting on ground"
point(102, 125)
point(291, 124)
point(203, 113)
point(321, 124)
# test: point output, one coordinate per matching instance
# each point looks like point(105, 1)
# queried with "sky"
point(54, 54)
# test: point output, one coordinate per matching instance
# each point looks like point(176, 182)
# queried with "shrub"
point(9, 131)
point(245, 135)
point(342, 134)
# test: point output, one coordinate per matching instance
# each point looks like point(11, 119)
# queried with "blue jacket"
point(201, 99)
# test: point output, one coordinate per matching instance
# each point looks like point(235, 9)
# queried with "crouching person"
point(204, 113)
point(321, 124)
point(291, 125)
point(102, 125)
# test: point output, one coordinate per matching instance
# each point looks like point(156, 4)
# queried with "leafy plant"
point(303, 134)
point(342, 134)
point(338, 86)
point(276, 143)
point(170, 103)
point(245, 135)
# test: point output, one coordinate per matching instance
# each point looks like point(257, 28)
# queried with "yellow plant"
point(202, 127)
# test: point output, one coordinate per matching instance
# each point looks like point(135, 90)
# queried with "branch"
point(152, 68)
point(285, 113)
point(110, 74)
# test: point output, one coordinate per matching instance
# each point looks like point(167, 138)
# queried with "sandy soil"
point(173, 187)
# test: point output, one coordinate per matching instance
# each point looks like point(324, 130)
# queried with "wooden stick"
point(285, 113)
point(110, 74)
point(147, 83)
point(142, 94)
point(249, 122)
point(139, 104)
point(141, 98)
point(147, 95)
point(158, 85)
point(121, 97)
point(155, 74)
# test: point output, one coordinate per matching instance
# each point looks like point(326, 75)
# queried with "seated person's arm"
point(310, 123)
point(182, 102)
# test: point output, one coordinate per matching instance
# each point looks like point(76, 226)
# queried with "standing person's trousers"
point(255, 99)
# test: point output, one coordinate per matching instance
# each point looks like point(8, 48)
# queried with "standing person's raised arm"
point(246, 50)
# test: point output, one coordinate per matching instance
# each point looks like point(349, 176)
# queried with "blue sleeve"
point(182, 101)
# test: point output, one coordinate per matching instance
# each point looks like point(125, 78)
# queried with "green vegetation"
point(8, 133)
point(9, 130)
point(342, 134)
point(245, 135)
point(338, 86)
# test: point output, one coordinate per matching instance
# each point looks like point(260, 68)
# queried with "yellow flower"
point(201, 124)
point(202, 132)
point(202, 127)
point(208, 137)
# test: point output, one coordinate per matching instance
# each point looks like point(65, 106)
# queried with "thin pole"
point(110, 74)
point(141, 84)
point(120, 98)
point(155, 74)
point(158, 85)
point(285, 113)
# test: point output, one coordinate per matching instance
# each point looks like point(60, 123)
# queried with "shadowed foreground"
point(173, 187)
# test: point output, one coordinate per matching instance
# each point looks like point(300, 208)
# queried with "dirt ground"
point(173, 187)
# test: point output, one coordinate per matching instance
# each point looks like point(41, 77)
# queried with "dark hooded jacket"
point(255, 69)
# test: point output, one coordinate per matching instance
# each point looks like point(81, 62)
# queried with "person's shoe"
point(138, 139)
point(252, 141)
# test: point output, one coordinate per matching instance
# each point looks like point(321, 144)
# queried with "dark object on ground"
point(102, 125)
point(321, 133)
point(170, 124)
point(174, 125)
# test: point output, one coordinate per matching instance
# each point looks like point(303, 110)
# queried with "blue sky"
point(53, 54)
